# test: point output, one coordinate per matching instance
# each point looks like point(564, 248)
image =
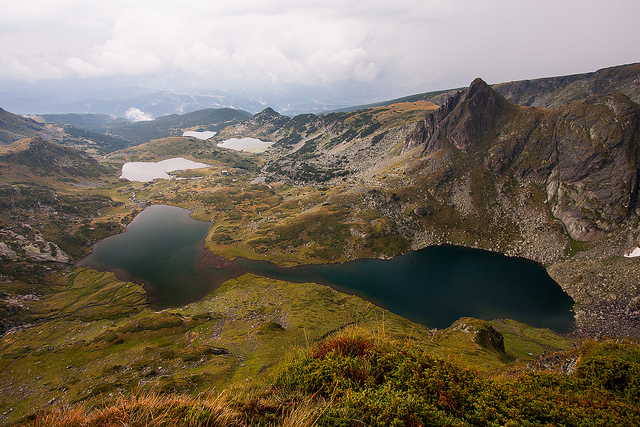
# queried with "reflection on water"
point(148, 171)
point(200, 134)
point(163, 248)
point(251, 145)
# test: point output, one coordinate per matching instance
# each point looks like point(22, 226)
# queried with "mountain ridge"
point(544, 91)
point(14, 127)
point(572, 144)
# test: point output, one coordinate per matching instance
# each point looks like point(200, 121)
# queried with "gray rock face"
point(463, 119)
point(557, 91)
point(585, 154)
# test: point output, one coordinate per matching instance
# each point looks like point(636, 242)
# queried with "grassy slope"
point(356, 378)
point(94, 338)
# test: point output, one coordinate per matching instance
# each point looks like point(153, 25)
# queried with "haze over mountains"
point(125, 102)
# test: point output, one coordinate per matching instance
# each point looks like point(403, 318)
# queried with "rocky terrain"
point(557, 91)
point(551, 184)
point(554, 181)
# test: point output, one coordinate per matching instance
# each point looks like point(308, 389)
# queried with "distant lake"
point(251, 145)
point(164, 249)
point(200, 135)
point(148, 171)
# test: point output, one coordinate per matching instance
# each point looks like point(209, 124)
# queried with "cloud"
point(136, 115)
point(405, 45)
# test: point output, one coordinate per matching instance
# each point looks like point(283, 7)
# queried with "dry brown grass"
point(237, 407)
point(146, 410)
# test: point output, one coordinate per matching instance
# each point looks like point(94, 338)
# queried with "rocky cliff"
point(557, 91)
point(584, 154)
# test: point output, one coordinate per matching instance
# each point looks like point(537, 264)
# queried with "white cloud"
point(404, 44)
point(136, 115)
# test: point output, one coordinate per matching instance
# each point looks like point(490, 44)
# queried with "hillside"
point(43, 201)
point(548, 91)
point(14, 127)
point(174, 124)
point(355, 377)
point(40, 161)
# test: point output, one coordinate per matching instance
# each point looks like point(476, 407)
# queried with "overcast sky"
point(384, 48)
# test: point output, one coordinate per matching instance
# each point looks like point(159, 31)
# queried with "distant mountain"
point(91, 122)
point(118, 103)
point(111, 133)
point(14, 127)
point(211, 119)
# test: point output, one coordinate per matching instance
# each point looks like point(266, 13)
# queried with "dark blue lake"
point(163, 248)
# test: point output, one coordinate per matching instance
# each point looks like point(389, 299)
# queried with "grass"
point(355, 377)
point(146, 409)
point(236, 335)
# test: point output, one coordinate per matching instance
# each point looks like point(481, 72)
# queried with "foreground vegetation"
point(91, 337)
point(354, 378)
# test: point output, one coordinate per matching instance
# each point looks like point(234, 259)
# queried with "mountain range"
point(546, 169)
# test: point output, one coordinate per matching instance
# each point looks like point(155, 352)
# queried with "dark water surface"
point(163, 248)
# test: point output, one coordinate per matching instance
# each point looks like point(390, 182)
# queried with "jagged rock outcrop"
point(463, 120)
point(585, 154)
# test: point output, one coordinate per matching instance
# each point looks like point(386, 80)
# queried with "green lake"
point(163, 249)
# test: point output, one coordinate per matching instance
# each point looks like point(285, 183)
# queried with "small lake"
point(204, 135)
point(148, 171)
point(252, 145)
point(164, 249)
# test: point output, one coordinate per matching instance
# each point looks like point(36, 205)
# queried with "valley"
point(554, 181)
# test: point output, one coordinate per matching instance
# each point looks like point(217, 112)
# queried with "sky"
point(365, 49)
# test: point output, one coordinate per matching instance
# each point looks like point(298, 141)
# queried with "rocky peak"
point(585, 153)
point(463, 120)
point(269, 116)
point(268, 112)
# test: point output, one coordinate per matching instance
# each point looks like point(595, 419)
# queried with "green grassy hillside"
point(354, 378)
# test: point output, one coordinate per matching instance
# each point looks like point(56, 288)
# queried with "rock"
point(483, 333)
point(585, 154)
point(421, 211)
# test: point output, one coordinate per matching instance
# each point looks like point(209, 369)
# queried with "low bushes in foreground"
point(354, 379)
